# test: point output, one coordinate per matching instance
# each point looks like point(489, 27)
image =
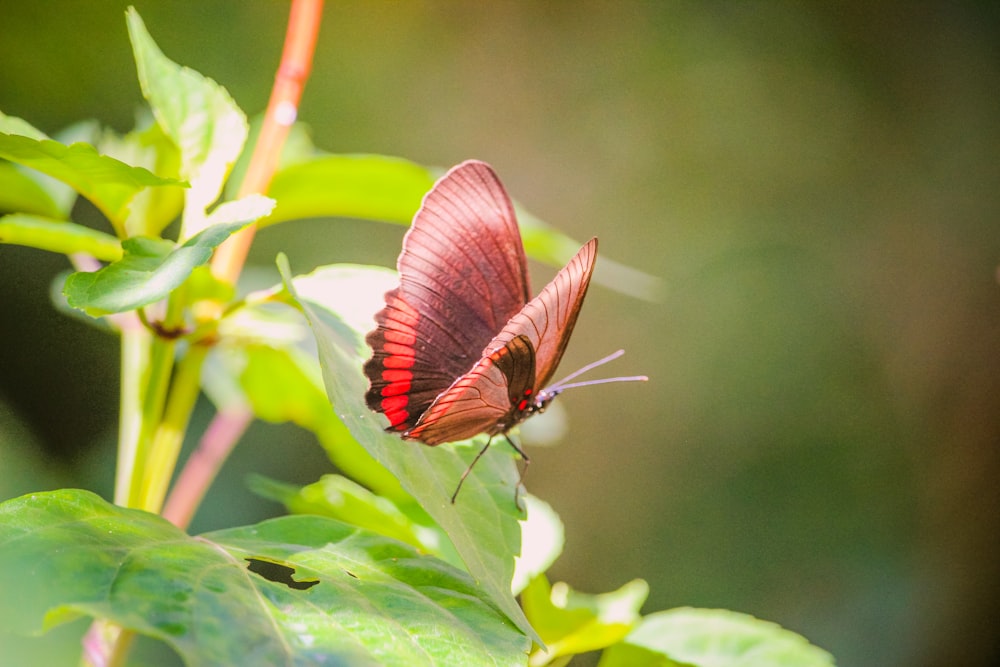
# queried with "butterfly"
point(460, 347)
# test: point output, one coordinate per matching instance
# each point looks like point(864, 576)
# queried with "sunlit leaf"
point(15, 125)
point(58, 236)
point(292, 591)
point(715, 638)
point(30, 191)
point(249, 208)
point(197, 114)
point(21, 192)
point(149, 270)
point(483, 524)
point(571, 622)
point(340, 498)
point(108, 183)
point(542, 538)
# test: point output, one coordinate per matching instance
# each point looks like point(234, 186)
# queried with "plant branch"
point(203, 465)
point(282, 110)
point(169, 436)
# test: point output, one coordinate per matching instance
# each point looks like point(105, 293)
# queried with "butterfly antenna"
point(566, 384)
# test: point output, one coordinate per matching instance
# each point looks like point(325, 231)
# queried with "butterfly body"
point(459, 349)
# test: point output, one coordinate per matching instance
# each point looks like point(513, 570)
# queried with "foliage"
point(375, 566)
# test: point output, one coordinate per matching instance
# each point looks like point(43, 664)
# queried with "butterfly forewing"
point(463, 275)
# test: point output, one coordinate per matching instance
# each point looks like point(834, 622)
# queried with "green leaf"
point(283, 385)
point(248, 209)
point(108, 183)
point(58, 236)
point(291, 591)
point(340, 498)
point(571, 622)
point(15, 125)
point(149, 270)
point(368, 187)
point(339, 303)
point(152, 209)
point(542, 539)
point(20, 192)
point(30, 191)
point(716, 638)
point(630, 655)
point(389, 189)
point(197, 114)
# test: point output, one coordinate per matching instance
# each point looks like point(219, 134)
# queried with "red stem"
point(282, 109)
point(201, 468)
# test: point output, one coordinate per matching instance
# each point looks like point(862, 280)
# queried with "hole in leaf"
point(279, 573)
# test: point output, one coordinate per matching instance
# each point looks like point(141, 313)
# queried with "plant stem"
point(282, 110)
point(204, 463)
point(135, 348)
point(157, 381)
point(169, 436)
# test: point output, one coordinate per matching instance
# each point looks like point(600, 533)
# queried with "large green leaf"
point(713, 638)
point(149, 270)
point(340, 303)
point(108, 183)
point(291, 591)
point(58, 236)
point(197, 114)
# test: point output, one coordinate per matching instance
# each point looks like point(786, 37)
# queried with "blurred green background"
point(817, 185)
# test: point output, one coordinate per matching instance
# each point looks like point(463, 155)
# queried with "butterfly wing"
point(549, 318)
point(463, 275)
point(485, 399)
point(517, 363)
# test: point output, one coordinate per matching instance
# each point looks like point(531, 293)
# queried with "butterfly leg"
point(465, 474)
point(521, 471)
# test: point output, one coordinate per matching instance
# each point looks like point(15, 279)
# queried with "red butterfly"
point(459, 349)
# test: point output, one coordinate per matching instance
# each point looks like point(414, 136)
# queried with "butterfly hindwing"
point(549, 318)
point(488, 399)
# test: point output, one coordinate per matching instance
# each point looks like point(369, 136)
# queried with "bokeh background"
point(816, 185)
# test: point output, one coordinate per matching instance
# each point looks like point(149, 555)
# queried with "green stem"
point(134, 364)
point(166, 445)
point(161, 362)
